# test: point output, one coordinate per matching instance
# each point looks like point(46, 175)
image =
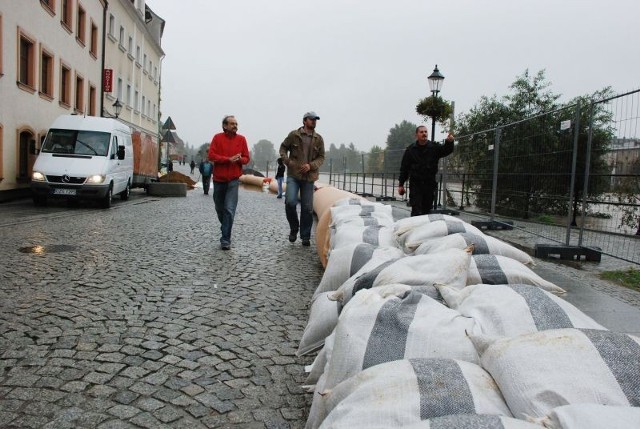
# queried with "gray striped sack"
point(483, 245)
point(500, 270)
point(406, 392)
point(433, 230)
point(541, 371)
point(510, 310)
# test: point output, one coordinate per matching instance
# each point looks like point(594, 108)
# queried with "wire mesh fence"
point(569, 176)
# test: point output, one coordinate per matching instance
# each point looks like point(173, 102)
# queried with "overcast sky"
point(362, 65)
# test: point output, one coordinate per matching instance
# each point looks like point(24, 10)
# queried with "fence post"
point(494, 185)
point(267, 174)
point(344, 173)
point(587, 165)
point(574, 162)
point(462, 192)
point(330, 169)
point(443, 197)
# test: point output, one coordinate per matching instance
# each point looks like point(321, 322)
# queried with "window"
point(121, 39)
point(144, 102)
point(93, 48)
point(136, 96)
point(148, 107)
point(128, 100)
point(130, 47)
point(26, 145)
point(46, 73)
point(144, 64)
point(1, 45)
point(112, 25)
point(67, 14)
point(81, 26)
point(92, 100)
point(26, 65)
point(119, 89)
point(79, 94)
point(65, 85)
point(49, 6)
point(138, 55)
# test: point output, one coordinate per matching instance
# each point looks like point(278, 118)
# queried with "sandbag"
point(591, 416)
point(457, 421)
point(403, 226)
point(376, 234)
point(449, 267)
point(437, 229)
point(544, 370)
point(323, 234)
point(348, 260)
point(395, 322)
point(322, 319)
point(482, 245)
point(353, 201)
point(325, 197)
point(500, 270)
point(511, 310)
point(372, 214)
point(407, 392)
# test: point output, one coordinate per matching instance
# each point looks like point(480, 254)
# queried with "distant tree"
point(374, 160)
point(400, 136)
point(627, 191)
point(262, 153)
point(203, 152)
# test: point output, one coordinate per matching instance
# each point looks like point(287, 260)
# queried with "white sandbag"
point(482, 245)
point(449, 267)
point(377, 235)
point(437, 229)
point(394, 322)
point(353, 201)
point(409, 391)
point(319, 363)
point(364, 215)
point(500, 270)
point(591, 416)
point(322, 319)
point(403, 226)
point(544, 370)
point(348, 260)
point(511, 310)
point(457, 421)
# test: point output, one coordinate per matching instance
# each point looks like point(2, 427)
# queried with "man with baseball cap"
point(302, 151)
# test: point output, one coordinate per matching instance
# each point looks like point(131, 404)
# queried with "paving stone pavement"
point(147, 323)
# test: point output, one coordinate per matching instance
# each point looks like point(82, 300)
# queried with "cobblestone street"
point(144, 322)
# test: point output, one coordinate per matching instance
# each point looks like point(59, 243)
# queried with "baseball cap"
point(311, 115)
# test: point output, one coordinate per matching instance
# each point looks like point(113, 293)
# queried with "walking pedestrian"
point(420, 166)
point(192, 165)
point(206, 169)
point(280, 176)
point(229, 152)
point(302, 151)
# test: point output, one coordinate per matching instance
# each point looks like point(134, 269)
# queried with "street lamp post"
point(117, 107)
point(436, 79)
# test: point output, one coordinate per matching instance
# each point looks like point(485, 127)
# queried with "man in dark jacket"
point(420, 166)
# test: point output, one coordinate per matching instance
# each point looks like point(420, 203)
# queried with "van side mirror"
point(121, 152)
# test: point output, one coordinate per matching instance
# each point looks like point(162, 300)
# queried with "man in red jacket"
point(228, 152)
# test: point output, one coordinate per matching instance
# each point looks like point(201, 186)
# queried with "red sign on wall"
point(107, 80)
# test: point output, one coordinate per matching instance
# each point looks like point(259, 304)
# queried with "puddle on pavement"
point(40, 250)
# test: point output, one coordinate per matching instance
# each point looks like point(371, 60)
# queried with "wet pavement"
point(133, 316)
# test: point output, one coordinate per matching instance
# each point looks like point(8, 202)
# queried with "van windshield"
point(76, 142)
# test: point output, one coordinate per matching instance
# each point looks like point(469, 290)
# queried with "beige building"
point(52, 57)
point(133, 57)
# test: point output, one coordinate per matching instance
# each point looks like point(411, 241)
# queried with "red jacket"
point(221, 149)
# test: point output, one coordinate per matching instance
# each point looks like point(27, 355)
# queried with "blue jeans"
point(225, 198)
point(280, 180)
point(305, 189)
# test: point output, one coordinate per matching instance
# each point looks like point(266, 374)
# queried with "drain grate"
point(56, 248)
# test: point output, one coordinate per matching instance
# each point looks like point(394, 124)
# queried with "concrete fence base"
point(160, 189)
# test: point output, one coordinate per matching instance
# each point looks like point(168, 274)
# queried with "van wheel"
point(107, 200)
point(39, 200)
point(124, 195)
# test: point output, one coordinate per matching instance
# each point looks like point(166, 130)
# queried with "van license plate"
point(62, 191)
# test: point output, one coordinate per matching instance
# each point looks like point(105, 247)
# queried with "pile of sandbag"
point(428, 322)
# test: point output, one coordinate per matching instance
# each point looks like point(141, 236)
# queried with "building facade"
point(53, 54)
point(133, 59)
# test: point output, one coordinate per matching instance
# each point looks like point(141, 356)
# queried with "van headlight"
point(96, 179)
point(36, 176)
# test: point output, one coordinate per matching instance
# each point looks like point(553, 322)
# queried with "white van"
point(84, 157)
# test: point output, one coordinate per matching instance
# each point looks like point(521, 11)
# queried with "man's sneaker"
point(306, 243)
point(293, 235)
point(225, 246)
